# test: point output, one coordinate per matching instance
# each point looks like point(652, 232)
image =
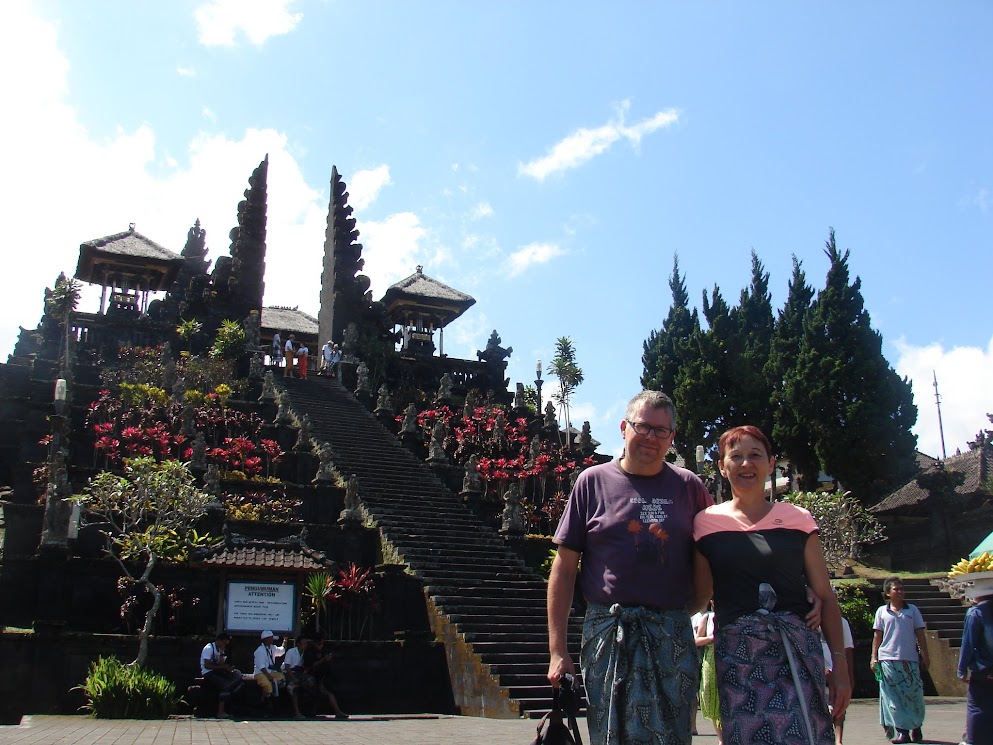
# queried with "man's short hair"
point(223, 637)
point(653, 400)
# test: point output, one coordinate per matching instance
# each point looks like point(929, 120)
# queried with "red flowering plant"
point(342, 606)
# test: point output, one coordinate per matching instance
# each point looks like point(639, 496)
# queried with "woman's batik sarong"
point(710, 704)
point(640, 671)
point(901, 695)
point(770, 671)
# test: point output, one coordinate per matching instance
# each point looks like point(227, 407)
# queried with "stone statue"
point(326, 470)
point(282, 409)
point(409, 426)
point(168, 367)
point(499, 424)
point(187, 429)
point(362, 373)
point(534, 449)
point(384, 403)
point(436, 449)
point(350, 340)
point(268, 387)
point(445, 388)
point(198, 458)
point(471, 482)
point(351, 513)
point(513, 524)
point(585, 441)
point(551, 421)
point(212, 479)
point(519, 402)
point(304, 441)
point(494, 352)
point(179, 389)
point(255, 368)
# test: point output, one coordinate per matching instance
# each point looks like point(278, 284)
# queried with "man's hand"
point(558, 666)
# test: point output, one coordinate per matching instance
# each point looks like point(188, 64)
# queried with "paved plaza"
point(944, 723)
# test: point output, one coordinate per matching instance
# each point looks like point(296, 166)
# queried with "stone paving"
point(944, 723)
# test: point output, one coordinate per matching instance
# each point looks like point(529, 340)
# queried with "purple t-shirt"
point(635, 534)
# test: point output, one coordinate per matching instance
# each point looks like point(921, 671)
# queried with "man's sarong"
point(770, 671)
point(640, 671)
point(901, 695)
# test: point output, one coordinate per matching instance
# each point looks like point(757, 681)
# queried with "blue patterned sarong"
point(640, 671)
point(901, 695)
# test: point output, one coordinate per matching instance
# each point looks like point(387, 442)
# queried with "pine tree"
point(843, 390)
point(752, 320)
point(793, 439)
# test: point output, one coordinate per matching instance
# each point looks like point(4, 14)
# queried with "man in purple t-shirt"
point(631, 522)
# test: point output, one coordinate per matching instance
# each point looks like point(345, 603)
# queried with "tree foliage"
point(844, 524)
point(814, 377)
point(147, 515)
point(568, 373)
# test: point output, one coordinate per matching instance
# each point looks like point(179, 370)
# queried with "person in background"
point(325, 358)
point(976, 668)
point(846, 630)
point(215, 667)
point(276, 353)
point(267, 673)
point(288, 355)
point(317, 662)
point(303, 357)
point(758, 558)
point(899, 648)
point(296, 677)
point(710, 705)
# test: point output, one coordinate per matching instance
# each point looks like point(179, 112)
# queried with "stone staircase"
point(486, 604)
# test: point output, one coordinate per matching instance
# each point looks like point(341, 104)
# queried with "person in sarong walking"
point(976, 667)
point(631, 522)
point(759, 558)
point(710, 704)
point(899, 648)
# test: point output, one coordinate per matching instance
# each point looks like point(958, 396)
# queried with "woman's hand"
point(839, 689)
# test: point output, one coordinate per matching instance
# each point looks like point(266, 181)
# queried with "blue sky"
point(547, 158)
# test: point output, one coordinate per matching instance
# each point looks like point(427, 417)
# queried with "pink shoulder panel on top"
point(782, 516)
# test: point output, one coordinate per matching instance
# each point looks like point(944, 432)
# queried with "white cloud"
point(481, 210)
point(533, 253)
point(186, 72)
point(965, 382)
point(364, 186)
point(391, 249)
point(585, 144)
point(208, 114)
point(219, 21)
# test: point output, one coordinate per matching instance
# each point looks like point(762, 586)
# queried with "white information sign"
point(254, 606)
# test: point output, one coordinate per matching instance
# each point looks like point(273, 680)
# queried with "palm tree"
point(563, 366)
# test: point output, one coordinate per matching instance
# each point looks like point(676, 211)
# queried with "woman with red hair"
point(758, 558)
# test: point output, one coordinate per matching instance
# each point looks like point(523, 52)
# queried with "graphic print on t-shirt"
point(649, 534)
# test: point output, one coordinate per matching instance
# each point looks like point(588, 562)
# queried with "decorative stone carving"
point(187, 429)
point(384, 404)
point(551, 421)
point(304, 441)
point(252, 335)
point(256, 368)
point(326, 470)
point(198, 458)
point(436, 449)
point(519, 402)
point(499, 424)
point(494, 352)
point(268, 387)
point(534, 449)
point(585, 440)
point(513, 523)
point(179, 389)
point(168, 367)
point(350, 339)
point(282, 409)
point(471, 483)
point(409, 426)
point(212, 479)
point(362, 374)
point(445, 388)
point(351, 514)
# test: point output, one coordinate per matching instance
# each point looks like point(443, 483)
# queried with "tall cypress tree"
point(858, 409)
point(794, 440)
point(752, 320)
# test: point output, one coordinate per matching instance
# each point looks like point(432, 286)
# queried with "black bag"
point(565, 702)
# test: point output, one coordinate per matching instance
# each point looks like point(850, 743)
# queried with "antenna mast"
point(941, 428)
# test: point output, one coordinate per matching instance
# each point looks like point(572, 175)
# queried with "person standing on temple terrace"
point(289, 354)
point(325, 358)
point(759, 558)
point(303, 357)
point(976, 668)
point(631, 523)
point(276, 353)
point(215, 668)
point(899, 648)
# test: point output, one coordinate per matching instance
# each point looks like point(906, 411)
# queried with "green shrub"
point(855, 607)
point(114, 690)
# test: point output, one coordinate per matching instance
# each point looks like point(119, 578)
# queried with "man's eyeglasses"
point(644, 429)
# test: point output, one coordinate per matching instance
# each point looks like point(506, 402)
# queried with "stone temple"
point(398, 504)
